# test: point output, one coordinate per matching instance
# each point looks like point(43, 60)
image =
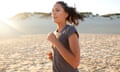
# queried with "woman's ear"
point(66, 15)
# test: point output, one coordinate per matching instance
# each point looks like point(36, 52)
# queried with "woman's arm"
point(75, 48)
point(73, 56)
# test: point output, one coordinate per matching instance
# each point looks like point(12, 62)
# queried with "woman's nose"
point(53, 14)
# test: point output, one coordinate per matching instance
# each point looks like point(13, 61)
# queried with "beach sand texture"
point(99, 53)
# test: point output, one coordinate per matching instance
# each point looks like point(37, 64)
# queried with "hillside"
point(25, 15)
point(41, 23)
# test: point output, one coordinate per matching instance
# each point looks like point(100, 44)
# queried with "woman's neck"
point(60, 26)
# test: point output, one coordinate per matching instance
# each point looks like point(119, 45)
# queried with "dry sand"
point(99, 53)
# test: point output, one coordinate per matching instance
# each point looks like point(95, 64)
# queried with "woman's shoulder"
point(71, 27)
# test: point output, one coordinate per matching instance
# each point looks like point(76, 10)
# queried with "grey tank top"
point(59, 64)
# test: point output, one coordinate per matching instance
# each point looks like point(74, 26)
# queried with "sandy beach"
point(28, 53)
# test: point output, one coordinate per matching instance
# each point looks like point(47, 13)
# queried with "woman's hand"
point(50, 56)
point(52, 38)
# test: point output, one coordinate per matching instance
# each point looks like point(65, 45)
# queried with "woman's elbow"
point(76, 63)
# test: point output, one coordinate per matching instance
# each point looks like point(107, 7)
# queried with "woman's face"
point(58, 14)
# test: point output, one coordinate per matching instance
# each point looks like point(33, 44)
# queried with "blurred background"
point(33, 16)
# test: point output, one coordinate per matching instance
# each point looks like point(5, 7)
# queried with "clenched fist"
point(51, 37)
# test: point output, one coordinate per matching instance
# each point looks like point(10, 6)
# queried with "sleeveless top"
point(59, 63)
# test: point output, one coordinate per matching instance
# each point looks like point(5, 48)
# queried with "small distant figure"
point(65, 39)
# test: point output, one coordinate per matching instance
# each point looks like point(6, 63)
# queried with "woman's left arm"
point(75, 48)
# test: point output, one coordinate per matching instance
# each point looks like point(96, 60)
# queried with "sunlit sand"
point(28, 53)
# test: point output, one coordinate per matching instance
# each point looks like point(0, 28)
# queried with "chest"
point(63, 38)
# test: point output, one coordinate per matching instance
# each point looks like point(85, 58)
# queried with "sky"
point(9, 8)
